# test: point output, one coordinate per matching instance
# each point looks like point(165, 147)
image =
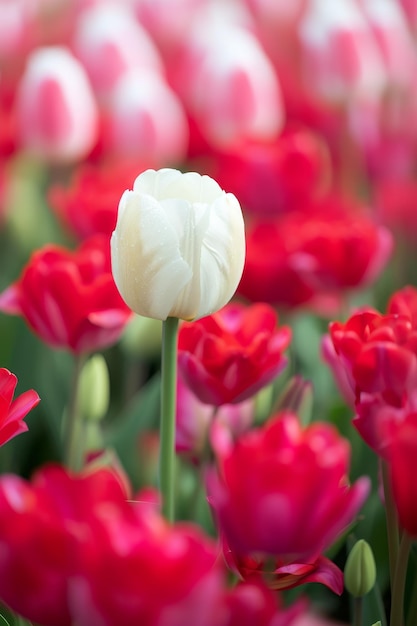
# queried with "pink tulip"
point(230, 87)
point(109, 42)
point(341, 59)
point(394, 39)
point(147, 120)
point(199, 424)
point(57, 113)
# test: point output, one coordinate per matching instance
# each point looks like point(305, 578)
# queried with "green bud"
point(360, 570)
point(94, 390)
point(378, 623)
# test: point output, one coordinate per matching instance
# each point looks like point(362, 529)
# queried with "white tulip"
point(178, 249)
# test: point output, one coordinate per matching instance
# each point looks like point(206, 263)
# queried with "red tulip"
point(69, 298)
point(13, 411)
point(143, 571)
point(44, 527)
point(307, 257)
point(282, 491)
point(402, 461)
point(227, 357)
point(279, 176)
point(374, 360)
point(77, 549)
point(88, 206)
point(396, 202)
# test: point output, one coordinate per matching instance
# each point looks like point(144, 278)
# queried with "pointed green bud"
point(378, 623)
point(360, 570)
point(94, 390)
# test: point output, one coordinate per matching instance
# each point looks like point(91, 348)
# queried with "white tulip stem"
point(167, 420)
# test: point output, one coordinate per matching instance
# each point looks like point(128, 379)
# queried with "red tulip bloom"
point(276, 177)
point(402, 460)
point(69, 298)
point(144, 571)
point(88, 206)
point(45, 526)
point(375, 357)
point(282, 491)
point(13, 411)
point(77, 549)
point(313, 257)
point(227, 357)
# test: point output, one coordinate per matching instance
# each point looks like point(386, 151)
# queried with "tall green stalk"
point(167, 421)
point(398, 584)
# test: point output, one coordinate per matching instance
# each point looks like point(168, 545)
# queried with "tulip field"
point(208, 312)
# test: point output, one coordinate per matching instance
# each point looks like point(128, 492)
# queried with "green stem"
point(73, 426)
point(392, 522)
point(357, 611)
point(412, 609)
point(398, 585)
point(167, 422)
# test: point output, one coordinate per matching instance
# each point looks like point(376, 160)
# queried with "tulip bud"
point(360, 570)
point(94, 388)
point(56, 110)
point(178, 249)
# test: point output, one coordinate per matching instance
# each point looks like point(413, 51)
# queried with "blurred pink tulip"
point(147, 120)
point(394, 39)
point(200, 426)
point(56, 109)
point(340, 56)
point(109, 42)
point(168, 21)
point(230, 87)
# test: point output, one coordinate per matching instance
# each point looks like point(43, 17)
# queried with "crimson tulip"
point(401, 462)
point(374, 359)
point(272, 178)
point(282, 492)
point(69, 298)
point(227, 357)
point(45, 525)
point(80, 549)
point(88, 205)
point(312, 257)
point(13, 411)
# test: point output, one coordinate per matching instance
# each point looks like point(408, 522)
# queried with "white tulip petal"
point(178, 249)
